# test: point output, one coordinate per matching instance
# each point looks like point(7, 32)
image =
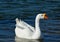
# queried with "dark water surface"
point(27, 11)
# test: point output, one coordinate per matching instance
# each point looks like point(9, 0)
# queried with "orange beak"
point(45, 16)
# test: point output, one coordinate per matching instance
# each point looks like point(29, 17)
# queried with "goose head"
point(42, 16)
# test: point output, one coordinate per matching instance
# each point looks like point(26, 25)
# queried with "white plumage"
point(24, 30)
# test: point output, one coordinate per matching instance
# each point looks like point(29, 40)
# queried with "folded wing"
point(23, 24)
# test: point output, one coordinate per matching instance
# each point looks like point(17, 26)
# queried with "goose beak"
point(45, 16)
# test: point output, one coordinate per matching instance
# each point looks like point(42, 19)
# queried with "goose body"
point(24, 30)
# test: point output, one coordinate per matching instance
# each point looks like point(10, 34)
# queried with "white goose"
point(24, 30)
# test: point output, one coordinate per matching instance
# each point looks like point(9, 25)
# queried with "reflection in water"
point(25, 40)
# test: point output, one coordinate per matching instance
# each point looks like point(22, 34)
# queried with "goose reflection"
point(25, 40)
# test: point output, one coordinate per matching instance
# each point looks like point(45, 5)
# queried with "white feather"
point(24, 30)
point(23, 24)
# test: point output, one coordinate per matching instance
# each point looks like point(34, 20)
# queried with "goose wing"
point(19, 24)
point(23, 24)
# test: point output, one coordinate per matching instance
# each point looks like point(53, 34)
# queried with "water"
point(27, 11)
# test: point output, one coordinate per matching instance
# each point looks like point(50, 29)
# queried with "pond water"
point(27, 11)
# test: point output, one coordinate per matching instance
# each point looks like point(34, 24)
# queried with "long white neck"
point(37, 28)
point(37, 31)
